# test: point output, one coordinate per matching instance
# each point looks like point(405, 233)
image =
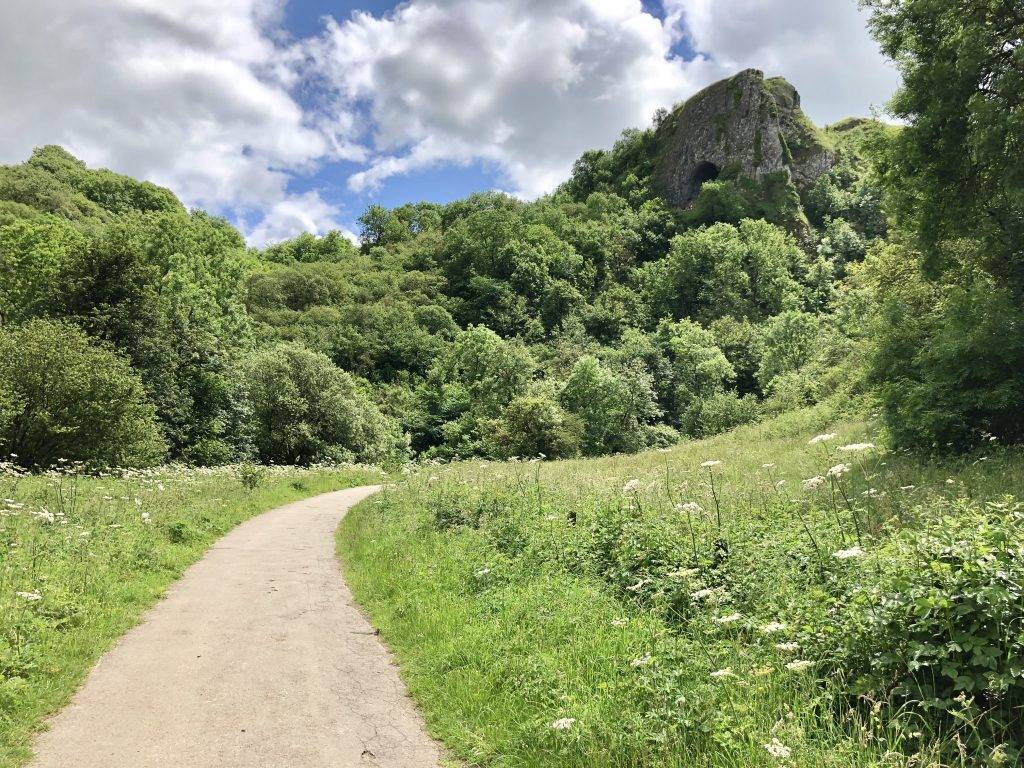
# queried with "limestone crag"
point(742, 127)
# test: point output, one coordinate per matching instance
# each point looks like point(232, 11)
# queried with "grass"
point(575, 614)
point(81, 558)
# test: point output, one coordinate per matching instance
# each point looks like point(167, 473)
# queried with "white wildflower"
point(813, 483)
point(838, 470)
point(907, 487)
point(778, 750)
point(563, 724)
point(846, 554)
point(788, 647)
point(822, 438)
point(30, 596)
point(481, 572)
point(631, 486)
point(620, 622)
point(727, 672)
point(710, 464)
point(856, 447)
point(799, 665)
point(690, 506)
point(700, 594)
point(643, 661)
point(772, 627)
point(767, 466)
point(730, 619)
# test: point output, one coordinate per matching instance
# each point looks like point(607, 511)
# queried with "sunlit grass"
point(656, 609)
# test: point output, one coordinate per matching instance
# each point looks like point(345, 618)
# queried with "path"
point(257, 658)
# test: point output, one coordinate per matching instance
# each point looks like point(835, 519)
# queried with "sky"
point(287, 116)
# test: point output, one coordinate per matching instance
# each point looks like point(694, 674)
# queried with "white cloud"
point(530, 84)
point(192, 94)
point(307, 212)
point(821, 46)
point(526, 84)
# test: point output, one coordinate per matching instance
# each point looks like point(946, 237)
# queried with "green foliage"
point(305, 410)
point(935, 626)
point(613, 407)
point(790, 340)
point(950, 354)
point(63, 398)
point(536, 425)
point(747, 271)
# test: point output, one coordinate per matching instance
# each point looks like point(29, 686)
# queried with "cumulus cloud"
point(191, 94)
point(307, 212)
point(822, 47)
point(527, 84)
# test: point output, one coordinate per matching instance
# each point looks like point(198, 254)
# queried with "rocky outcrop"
point(743, 127)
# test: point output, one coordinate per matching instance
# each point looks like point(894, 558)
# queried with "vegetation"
point(81, 557)
point(767, 597)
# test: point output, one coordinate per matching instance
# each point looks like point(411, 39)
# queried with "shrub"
point(719, 413)
point(63, 397)
point(533, 425)
point(305, 410)
point(937, 627)
point(790, 340)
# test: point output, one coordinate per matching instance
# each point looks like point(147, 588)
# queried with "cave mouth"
point(704, 172)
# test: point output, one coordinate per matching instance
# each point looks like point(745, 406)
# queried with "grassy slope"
point(99, 564)
point(513, 618)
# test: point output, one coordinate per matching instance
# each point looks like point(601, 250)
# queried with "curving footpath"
point(256, 658)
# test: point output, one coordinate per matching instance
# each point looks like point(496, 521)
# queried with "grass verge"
point(81, 559)
point(580, 613)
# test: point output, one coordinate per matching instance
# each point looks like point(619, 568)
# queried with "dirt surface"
point(257, 657)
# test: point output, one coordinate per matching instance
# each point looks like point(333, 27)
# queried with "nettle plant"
point(936, 627)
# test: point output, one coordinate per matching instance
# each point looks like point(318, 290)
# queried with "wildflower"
point(856, 447)
point(780, 484)
point(846, 554)
point(838, 470)
point(872, 493)
point(690, 506)
point(767, 466)
point(813, 483)
point(788, 647)
point(777, 749)
point(482, 572)
point(950, 481)
point(730, 619)
point(432, 479)
point(907, 487)
point(620, 622)
point(710, 464)
point(643, 661)
point(30, 596)
point(563, 724)
point(767, 669)
point(145, 518)
point(822, 438)
point(727, 672)
point(773, 627)
point(799, 665)
point(630, 487)
point(700, 594)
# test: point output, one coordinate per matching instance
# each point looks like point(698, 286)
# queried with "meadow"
point(83, 555)
point(791, 593)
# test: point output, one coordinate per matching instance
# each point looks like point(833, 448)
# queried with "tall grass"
point(675, 608)
point(81, 557)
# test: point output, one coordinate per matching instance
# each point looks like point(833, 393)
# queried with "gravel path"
point(257, 657)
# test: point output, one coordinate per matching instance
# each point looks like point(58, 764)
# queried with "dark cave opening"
point(704, 172)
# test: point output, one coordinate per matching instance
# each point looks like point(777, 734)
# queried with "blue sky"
point(304, 19)
point(262, 111)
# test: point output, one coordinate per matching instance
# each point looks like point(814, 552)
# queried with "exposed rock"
point(744, 126)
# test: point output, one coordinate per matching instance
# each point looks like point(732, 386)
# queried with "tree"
point(64, 397)
point(612, 407)
point(304, 410)
point(955, 170)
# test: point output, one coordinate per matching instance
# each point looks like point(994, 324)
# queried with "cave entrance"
point(704, 172)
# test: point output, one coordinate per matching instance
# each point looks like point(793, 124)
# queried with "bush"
point(790, 341)
point(719, 413)
point(62, 397)
point(306, 410)
point(534, 425)
point(940, 629)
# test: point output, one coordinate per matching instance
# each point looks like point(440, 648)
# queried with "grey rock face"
point(744, 126)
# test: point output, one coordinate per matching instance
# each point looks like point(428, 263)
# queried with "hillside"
point(602, 318)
